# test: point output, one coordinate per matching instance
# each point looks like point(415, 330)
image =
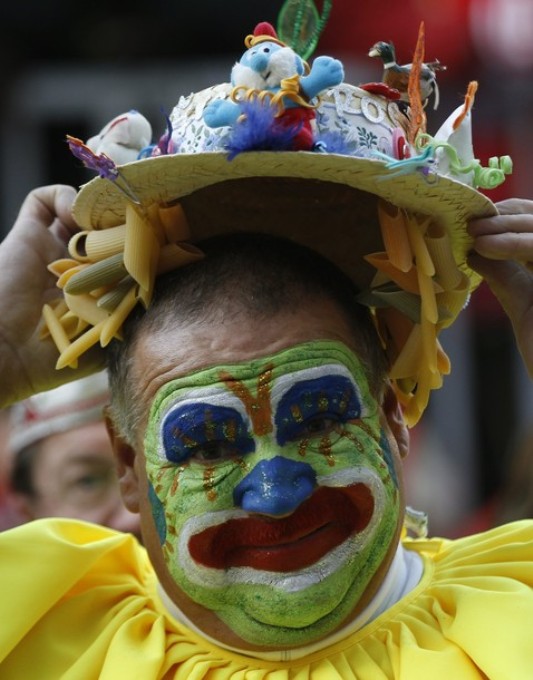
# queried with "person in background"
point(62, 463)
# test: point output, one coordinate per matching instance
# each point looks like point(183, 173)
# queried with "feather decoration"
point(102, 164)
point(417, 117)
point(258, 129)
point(164, 145)
point(334, 142)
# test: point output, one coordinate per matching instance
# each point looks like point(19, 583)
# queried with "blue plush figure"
point(273, 89)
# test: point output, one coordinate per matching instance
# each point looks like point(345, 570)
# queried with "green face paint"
point(273, 490)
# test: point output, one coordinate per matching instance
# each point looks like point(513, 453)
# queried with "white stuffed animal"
point(123, 138)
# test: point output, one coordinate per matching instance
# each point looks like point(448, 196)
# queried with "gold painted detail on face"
point(176, 481)
point(367, 430)
point(323, 403)
point(158, 486)
point(174, 486)
point(325, 449)
point(230, 430)
point(302, 447)
point(344, 402)
point(187, 441)
point(361, 448)
point(355, 441)
point(296, 413)
point(209, 426)
point(242, 464)
point(258, 408)
point(209, 483)
point(384, 469)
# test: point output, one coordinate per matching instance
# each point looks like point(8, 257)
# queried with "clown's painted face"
point(273, 490)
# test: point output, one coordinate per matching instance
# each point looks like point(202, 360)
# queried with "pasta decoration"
point(109, 272)
point(418, 290)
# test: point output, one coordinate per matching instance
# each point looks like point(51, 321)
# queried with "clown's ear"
point(125, 461)
point(394, 416)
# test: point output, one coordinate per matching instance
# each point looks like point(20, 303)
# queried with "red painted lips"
point(319, 524)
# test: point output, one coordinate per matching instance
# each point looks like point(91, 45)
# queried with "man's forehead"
point(292, 359)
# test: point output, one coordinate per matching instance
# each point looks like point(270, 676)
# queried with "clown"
point(269, 324)
point(268, 479)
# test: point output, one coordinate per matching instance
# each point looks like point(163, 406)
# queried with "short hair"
point(256, 274)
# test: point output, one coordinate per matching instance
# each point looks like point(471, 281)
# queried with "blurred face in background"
point(72, 474)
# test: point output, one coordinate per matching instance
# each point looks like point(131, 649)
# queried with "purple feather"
point(164, 145)
point(260, 130)
point(101, 163)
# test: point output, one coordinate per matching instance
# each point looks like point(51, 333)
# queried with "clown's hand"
point(39, 236)
point(503, 255)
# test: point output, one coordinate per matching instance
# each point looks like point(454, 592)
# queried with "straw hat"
point(376, 194)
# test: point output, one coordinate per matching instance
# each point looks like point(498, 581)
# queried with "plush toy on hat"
point(271, 80)
point(123, 138)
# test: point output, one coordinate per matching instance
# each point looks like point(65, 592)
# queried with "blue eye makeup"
point(205, 432)
point(315, 407)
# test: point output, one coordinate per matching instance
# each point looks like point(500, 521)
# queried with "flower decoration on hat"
point(256, 153)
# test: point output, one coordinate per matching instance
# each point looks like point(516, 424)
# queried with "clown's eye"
point(316, 407)
point(316, 428)
point(202, 431)
point(319, 426)
point(214, 452)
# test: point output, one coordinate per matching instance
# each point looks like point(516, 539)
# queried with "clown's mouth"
point(320, 524)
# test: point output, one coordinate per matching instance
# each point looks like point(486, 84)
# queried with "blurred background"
point(70, 67)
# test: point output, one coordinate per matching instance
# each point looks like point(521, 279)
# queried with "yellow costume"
point(80, 602)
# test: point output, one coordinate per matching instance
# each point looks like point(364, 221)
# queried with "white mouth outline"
point(292, 581)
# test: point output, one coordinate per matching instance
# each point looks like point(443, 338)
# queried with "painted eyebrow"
point(327, 393)
point(214, 397)
point(285, 382)
point(194, 424)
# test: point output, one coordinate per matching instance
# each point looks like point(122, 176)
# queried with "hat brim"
point(326, 201)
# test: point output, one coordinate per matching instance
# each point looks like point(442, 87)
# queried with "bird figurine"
point(397, 75)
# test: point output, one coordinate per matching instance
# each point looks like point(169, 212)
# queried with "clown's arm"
point(38, 237)
point(503, 255)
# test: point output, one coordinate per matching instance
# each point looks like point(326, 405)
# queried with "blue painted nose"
point(275, 487)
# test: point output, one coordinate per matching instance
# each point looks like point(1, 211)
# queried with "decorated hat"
point(292, 150)
point(64, 408)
